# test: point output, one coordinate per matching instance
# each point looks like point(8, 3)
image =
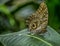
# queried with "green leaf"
point(23, 38)
point(4, 9)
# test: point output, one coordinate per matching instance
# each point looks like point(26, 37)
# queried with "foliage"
point(24, 38)
point(12, 19)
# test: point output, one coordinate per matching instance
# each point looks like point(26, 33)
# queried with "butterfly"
point(38, 21)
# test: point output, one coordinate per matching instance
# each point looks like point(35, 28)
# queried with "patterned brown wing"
point(38, 21)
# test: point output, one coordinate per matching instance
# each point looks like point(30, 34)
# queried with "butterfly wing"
point(38, 21)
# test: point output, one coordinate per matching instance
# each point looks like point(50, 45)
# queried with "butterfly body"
point(37, 22)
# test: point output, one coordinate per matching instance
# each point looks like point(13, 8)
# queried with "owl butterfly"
point(37, 22)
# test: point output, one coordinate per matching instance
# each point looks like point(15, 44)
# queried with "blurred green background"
point(13, 14)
